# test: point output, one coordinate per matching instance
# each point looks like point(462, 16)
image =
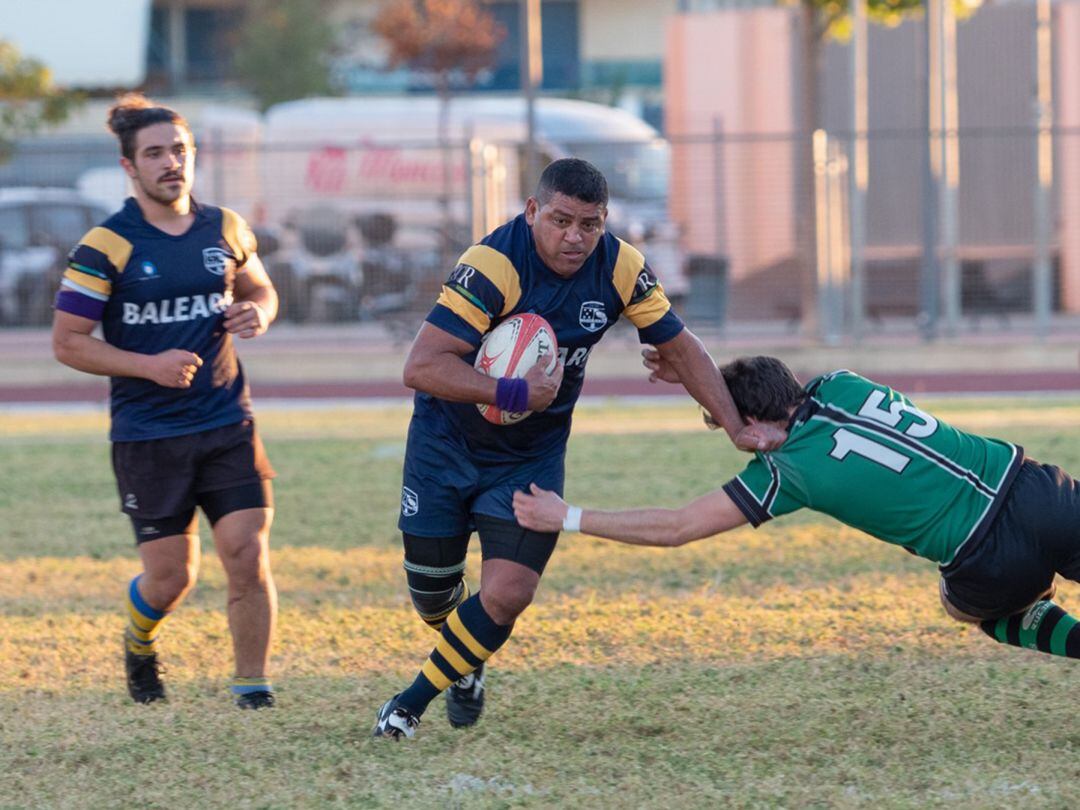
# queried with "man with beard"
point(555, 260)
point(171, 281)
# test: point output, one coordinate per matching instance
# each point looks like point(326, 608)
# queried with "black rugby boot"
point(143, 677)
point(465, 699)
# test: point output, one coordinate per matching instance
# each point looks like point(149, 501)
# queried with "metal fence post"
point(217, 149)
point(719, 229)
point(858, 167)
point(929, 279)
point(949, 173)
point(1042, 277)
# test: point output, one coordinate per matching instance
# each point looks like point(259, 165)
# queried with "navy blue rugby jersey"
point(502, 276)
point(152, 292)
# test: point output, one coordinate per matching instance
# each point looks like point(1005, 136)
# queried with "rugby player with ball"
point(497, 368)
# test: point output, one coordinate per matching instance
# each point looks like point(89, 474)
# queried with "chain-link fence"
point(718, 217)
point(952, 225)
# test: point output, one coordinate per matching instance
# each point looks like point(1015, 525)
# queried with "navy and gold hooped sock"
point(468, 638)
point(143, 622)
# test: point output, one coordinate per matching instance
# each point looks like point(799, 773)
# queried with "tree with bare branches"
point(451, 42)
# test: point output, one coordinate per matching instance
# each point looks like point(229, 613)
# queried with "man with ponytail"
point(1000, 526)
point(171, 281)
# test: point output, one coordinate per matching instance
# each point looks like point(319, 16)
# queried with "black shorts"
point(499, 539)
point(161, 481)
point(1035, 536)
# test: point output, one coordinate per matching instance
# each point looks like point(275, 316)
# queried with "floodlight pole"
point(532, 74)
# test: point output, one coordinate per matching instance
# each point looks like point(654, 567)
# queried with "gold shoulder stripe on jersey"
point(115, 247)
point(498, 269)
point(629, 267)
point(629, 263)
point(237, 234)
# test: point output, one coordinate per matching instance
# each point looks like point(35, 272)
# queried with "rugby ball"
point(510, 350)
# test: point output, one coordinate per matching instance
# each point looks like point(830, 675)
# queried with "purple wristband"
point(511, 394)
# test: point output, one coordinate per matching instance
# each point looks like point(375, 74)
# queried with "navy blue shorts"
point(161, 481)
point(445, 484)
point(1035, 536)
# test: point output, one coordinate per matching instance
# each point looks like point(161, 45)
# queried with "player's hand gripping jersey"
point(504, 276)
point(864, 454)
point(152, 292)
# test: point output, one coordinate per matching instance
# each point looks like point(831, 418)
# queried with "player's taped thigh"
point(435, 570)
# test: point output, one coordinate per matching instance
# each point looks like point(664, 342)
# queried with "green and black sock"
point(1044, 627)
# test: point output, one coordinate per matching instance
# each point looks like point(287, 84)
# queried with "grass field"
point(801, 665)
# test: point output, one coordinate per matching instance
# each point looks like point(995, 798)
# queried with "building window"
point(211, 42)
point(561, 46)
point(207, 40)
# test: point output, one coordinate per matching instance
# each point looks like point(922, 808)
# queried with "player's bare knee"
point(246, 563)
point(505, 601)
point(168, 588)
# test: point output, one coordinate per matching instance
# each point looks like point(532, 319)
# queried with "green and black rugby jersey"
point(864, 454)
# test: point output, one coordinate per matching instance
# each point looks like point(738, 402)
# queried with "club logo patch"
point(593, 317)
point(410, 502)
point(215, 260)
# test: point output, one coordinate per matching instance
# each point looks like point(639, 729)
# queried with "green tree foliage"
point(28, 98)
point(284, 50)
point(832, 18)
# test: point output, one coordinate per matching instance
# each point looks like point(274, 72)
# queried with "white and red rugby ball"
point(510, 350)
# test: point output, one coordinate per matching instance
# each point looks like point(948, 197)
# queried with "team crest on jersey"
point(593, 317)
point(410, 502)
point(215, 260)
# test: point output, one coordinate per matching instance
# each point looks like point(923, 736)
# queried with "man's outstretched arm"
point(710, 514)
point(684, 360)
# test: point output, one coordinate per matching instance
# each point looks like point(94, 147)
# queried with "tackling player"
point(171, 281)
point(998, 525)
point(461, 472)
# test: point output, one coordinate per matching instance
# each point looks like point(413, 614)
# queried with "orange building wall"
point(746, 212)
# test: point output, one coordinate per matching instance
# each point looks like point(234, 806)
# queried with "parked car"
point(38, 227)
point(315, 266)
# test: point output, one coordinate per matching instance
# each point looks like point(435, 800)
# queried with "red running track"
point(913, 383)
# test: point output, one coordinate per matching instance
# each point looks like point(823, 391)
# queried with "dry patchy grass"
point(799, 665)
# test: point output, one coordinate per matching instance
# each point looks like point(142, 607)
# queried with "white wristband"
point(572, 521)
